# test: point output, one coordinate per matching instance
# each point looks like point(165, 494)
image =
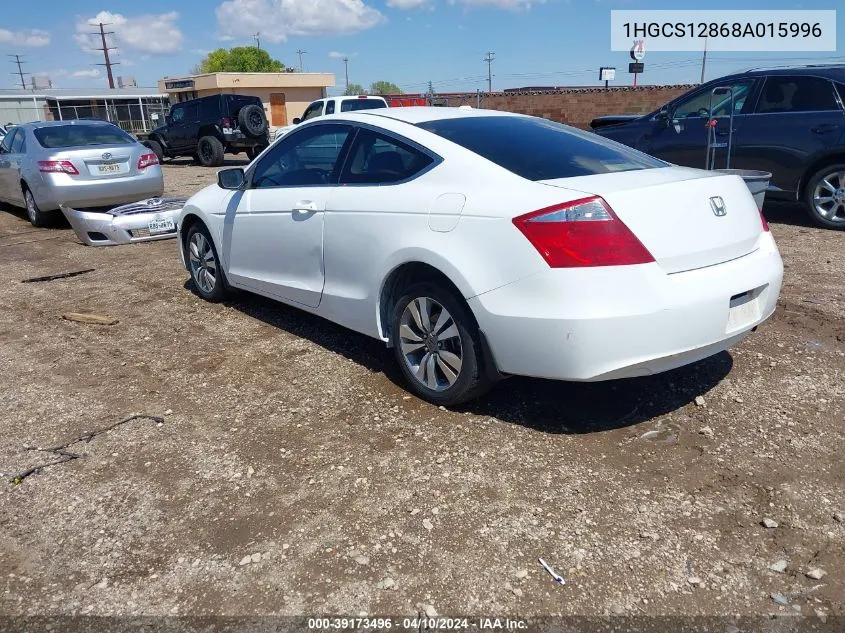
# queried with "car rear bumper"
point(126, 224)
point(604, 323)
point(56, 190)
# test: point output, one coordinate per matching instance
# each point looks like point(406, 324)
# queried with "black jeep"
point(207, 127)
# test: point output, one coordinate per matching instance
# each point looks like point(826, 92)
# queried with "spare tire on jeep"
point(252, 120)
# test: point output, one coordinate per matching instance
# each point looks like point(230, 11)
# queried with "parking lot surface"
point(291, 474)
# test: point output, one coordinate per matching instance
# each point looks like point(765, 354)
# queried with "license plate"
point(161, 226)
point(744, 309)
point(109, 169)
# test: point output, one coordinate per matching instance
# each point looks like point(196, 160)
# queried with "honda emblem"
point(718, 206)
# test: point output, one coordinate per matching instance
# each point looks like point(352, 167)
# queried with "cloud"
point(278, 19)
point(32, 37)
point(406, 4)
point(153, 34)
point(337, 55)
point(511, 5)
point(201, 51)
point(94, 72)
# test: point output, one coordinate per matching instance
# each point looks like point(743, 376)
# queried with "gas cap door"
point(445, 211)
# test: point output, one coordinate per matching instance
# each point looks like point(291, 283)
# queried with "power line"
point(301, 52)
point(20, 72)
point(106, 48)
point(489, 60)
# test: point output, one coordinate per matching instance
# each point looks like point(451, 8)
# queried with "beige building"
point(285, 95)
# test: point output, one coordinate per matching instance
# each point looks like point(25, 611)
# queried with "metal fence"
point(136, 116)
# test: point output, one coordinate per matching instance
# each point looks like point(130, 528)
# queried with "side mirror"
point(297, 120)
point(663, 118)
point(233, 178)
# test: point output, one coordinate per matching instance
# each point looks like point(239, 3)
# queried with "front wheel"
point(825, 197)
point(204, 264)
point(437, 345)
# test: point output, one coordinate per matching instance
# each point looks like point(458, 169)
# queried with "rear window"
point(56, 136)
point(538, 149)
point(236, 102)
point(350, 105)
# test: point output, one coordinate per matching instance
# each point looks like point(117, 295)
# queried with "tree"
point(385, 88)
point(354, 89)
point(241, 59)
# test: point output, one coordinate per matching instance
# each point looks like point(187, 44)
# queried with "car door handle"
point(825, 128)
point(305, 205)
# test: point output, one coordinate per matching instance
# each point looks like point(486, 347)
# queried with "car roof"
point(422, 114)
point(829, 71)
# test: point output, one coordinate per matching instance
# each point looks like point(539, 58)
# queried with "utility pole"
point(17, 60)
point(430, 94)
point(704, 60)
point(346, 67)
point(257, 41)
point(106, 48)
point(301, 52)
point(489, 60)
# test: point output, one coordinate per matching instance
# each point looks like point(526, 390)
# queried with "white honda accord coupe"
point(479, 244)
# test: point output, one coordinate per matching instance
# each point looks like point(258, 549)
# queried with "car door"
point(191, 124)
point(276, 245)
point(14, 159)
point(682, 138)
point(6, 166)
point(797, 118)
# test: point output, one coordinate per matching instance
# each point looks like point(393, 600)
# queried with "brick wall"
point(579, 106)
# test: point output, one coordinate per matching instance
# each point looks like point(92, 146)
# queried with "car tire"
point(37, 217)
point(207, 274)
point(210, 151)
point(825, 197)
point(252, 120)
point(437, 345)
point(157, 149)
point(253, 152)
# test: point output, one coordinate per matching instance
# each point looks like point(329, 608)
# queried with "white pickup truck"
point(330, 105)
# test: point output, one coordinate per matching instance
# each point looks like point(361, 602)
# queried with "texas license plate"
point(161, 226)
point(112, 168)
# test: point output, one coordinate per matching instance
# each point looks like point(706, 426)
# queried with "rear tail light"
point(582, 233)
point(147, 160)
point(362, 96)
point(763, 220)
point(57, 167)
point(226, 122)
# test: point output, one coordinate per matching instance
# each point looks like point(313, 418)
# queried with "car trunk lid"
point(100, 162)
point(686, 218)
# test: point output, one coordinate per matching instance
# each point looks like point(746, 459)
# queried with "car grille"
point(152, 204)
point(139, 232)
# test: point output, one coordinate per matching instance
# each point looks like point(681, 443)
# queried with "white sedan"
point(479, 244)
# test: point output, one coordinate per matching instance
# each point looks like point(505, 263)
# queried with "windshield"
point(58, 136)
point(538, 149)
point(350, 105)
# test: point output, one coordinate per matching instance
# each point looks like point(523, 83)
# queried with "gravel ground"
point(291, 474)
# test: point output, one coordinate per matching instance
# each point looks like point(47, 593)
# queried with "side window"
point(308, 157)
point(330, 107)
point(19, 143)
point(6, 145)
point(797, 94)
point(312, 111)
point(192, 113)
point(210, 109)
point(378, 159)
point(698, 105)
point(177, 115)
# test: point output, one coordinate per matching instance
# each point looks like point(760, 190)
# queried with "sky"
point(407, 42)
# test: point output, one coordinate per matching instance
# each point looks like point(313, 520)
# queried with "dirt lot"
point(292, 475)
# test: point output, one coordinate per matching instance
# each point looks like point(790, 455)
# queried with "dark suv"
point(787, 121)
point(207, 127)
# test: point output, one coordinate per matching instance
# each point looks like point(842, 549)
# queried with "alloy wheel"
point(203, 263)
point(829, 197)
point(430, 343)
point(31, 207)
